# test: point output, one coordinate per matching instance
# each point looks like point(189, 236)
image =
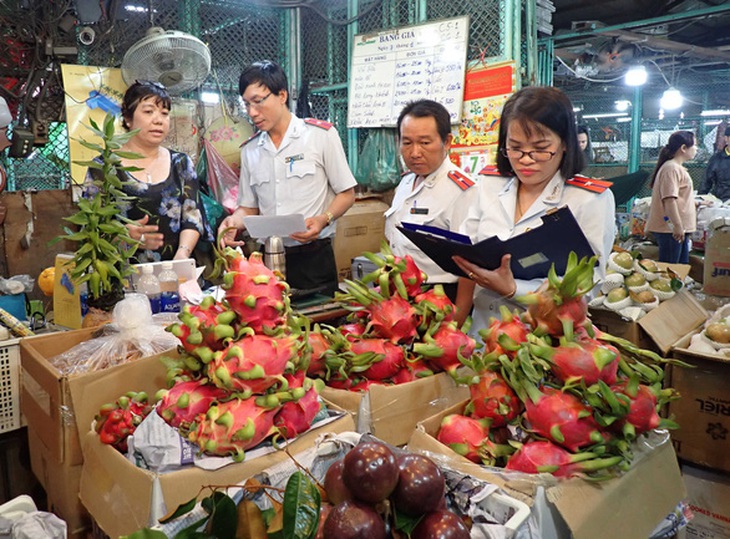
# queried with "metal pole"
point(531, 76)
point(352, 134)
point(507, 11)
point(292, 24)
point(635, 136)
point(517, 40)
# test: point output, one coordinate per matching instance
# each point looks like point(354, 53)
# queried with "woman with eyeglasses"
point(538, 161)
point(169, 214)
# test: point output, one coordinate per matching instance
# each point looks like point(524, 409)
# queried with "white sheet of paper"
point(263, 226)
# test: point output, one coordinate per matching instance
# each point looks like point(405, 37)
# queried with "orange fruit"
point(46, 280)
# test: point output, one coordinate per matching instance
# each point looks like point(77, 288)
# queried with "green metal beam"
point(674, 17)
point(531, 73)
point(635, 136)
point(352, 29)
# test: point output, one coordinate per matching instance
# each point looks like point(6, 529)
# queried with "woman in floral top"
point(170, 218)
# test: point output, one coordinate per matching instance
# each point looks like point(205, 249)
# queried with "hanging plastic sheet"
point(378, 167)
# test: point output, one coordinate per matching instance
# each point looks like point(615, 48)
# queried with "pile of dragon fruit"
point(241, 374)
point(551, 393)
point(396, 331)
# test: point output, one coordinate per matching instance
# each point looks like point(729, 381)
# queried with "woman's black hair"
point(266, 73)
point(670, 149)
point(588, 152)
point(536, 108)
point(138, 92)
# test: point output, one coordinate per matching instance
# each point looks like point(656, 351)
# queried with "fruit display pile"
point(635, 281)
point(714, 338)
point(241, 374)
point(396, 332)
point(554, 394)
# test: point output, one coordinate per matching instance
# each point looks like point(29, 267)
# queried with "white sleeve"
point(246, 196)
point(339, 175)
point(597, 218)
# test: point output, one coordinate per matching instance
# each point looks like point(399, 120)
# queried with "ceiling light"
point(636, 76)
point(715, 112)
point(622, 105)
point(672, 99)
point(604, 115)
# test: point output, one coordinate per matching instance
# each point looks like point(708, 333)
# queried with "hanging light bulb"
point(622, 105)
point(636, 76)
point(672, 99)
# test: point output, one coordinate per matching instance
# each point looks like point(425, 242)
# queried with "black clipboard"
point(533, 251)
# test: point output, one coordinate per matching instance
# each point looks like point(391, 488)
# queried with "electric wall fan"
point(177, 60)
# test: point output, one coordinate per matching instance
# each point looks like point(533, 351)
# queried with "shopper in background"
point(434, 191)
point(717, 175)
point(584, 143)
point(538, 157)
point(5, 119)
point(292, 166)
point(170, 219)
point(672, 215)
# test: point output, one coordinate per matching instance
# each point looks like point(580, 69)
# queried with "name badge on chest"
point(419, 211)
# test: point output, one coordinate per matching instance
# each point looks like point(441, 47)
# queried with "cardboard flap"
point(675, 319)
point(609, 509)
point(90, 392)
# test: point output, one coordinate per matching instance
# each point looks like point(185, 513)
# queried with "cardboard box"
point(61, 483)
point(629, 506)
point(716, 279)
point(361, 229)
point(392, 412)
point(658, 329)
point(703, 412)
point(708, 495)
point(123, 498)
point(46, 399)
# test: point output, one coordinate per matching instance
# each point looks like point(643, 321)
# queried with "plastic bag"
point(17, 284)
point(223, 181)
point(132, 334)
point(378, 165)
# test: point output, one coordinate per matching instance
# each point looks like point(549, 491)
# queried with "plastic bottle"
point(149, 285)
point(669, 224)
point(84, 298)
point(170, 299)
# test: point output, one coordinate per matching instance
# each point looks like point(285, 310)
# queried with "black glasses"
point(256, 103)
point(539, 156)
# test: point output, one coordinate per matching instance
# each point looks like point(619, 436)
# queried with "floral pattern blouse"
point(173, 205)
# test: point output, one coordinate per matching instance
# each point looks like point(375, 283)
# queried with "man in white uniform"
point(434, 192)
point(292, 166)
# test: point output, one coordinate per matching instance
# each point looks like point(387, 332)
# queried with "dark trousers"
point(671, 250)
point(311, 266)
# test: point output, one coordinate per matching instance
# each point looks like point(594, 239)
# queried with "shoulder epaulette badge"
point(318, 123)
point(589, 184)
point(249, 139)
point(462, 180)
point(489, 170)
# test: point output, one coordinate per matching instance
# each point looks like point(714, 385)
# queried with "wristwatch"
point(330, 217)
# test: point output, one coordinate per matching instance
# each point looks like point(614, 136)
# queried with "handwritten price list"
point(391, 68)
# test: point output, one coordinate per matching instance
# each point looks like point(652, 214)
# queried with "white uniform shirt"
point(302, 176)
point(493, 214)
point(437, 201)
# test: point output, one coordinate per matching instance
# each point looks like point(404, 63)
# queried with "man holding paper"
point(292, 166)
point(434, 191)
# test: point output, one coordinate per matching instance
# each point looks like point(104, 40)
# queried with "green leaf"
point(406, 523)
point(89, 164)
point(77, 219)
point(182, 509)
point(191, 532)
point(145, 533)
point(109, 126)
point(224, 520)
point(302, 503)
point(129, 155)
point(91, 146)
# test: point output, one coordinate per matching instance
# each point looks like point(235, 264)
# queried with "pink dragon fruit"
point(561, 417)
point(546, 457)
point(318, 346)
point(434, 306)
point(232, 427)
point(395, 274)
point(445, 347)
point(183, 402)
point(415, 369)
point(353, 329)
point(585, 359)
point(504, 336)
point(116, 421)
point(259, 298)
point(492, 399)
point(207, 324)
point(412, 277)
point(393, 318)
point(465, 435)
point(295, 418)
point(642, 416)
point(390, 357)
point(561, 301)
point(252, 364)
